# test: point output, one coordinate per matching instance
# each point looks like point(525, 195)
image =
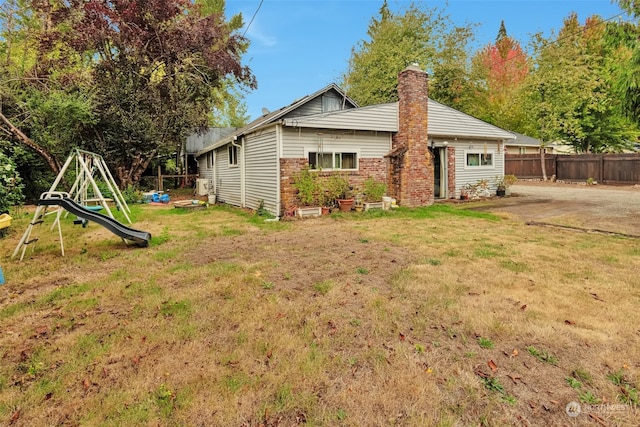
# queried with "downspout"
point(279, 155)
point(241, 161)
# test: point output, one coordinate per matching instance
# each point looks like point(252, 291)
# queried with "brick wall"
point(411, 173)
point(288, 170)
point(451, 172)
point(375, 168)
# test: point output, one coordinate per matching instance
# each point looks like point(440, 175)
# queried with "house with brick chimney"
point(421, 149)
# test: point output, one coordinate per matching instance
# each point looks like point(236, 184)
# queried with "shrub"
point(374, 190)
point(10, 184)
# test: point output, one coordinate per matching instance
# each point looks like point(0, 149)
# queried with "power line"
point(252, 18)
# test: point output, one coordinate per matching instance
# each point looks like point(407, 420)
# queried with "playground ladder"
point(38, 219)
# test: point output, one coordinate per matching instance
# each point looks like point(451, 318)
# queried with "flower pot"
point(325, 210)
point(345, 205)
point(501, 193)
point(374, 205)
point(308, 212)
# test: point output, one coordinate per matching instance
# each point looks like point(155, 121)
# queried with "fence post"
point(601, 168)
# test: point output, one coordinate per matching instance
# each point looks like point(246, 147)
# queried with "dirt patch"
point(312, 251)
point(598, 207)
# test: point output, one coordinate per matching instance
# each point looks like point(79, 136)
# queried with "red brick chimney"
point(411, 164)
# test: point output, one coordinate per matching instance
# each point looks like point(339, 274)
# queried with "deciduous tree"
point(396, 40)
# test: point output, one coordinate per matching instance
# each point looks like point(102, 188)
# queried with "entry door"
point(440, 172)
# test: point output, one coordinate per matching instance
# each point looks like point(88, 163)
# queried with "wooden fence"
point(603, 168)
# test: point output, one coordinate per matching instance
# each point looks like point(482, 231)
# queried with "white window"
point(333, 161)
point(479, 159)
point(233, 155)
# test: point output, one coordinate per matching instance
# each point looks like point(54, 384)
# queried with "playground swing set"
point(88, 168)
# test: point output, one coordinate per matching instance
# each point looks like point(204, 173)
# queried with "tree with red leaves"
point(501, 67)
point(153, 68)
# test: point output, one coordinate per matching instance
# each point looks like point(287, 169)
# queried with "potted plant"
point(306, 182)
point(503, 183)
point(373, 193)
point(338, 187)
point(464, 192)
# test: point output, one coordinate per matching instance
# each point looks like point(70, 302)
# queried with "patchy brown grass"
point(436, 316)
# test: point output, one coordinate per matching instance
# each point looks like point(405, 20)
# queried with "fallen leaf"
point(86, 384)
point(15, 417)
point(514, 353)
point(492, 365)
point(524, 307)
point(515, 378)
point(401, 336)
point(597, 419)
point(569, 322)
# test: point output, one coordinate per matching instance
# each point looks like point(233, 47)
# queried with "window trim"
point(233, 153)
point(333, 154)
point(480, 152)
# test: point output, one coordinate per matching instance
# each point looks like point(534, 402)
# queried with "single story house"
point(420, 148)
point(524, 144)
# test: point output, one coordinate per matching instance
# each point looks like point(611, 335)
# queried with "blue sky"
point(300, 46)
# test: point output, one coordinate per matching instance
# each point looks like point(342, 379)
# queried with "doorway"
point(439, 172)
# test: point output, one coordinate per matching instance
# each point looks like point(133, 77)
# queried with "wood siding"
point(261, 170)
point(297, 143)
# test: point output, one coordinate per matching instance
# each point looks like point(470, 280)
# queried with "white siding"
point(472, 174)
point(383, 117)
point(227, 179)
point(298, 142)
point(261, 170)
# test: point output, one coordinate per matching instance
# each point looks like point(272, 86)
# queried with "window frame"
point(232, 154)
point(480, 154)
point(332, 155)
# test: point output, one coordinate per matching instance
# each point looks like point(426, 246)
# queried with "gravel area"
point(594, 207)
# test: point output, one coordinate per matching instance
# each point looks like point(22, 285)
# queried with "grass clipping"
point(434, 316)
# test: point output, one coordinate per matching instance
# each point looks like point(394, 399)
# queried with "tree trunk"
point(133, 174)
point(543, 163)
point(53, 163)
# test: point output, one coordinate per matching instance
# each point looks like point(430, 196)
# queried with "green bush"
point(10, 184)
point(373, 190)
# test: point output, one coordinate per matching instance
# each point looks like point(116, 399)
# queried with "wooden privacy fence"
point(604, 168)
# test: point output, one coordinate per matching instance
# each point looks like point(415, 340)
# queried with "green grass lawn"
point(432, 316)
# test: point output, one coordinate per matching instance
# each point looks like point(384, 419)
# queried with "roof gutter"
point(233, 138)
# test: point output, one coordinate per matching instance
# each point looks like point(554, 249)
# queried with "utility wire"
point(252, 18)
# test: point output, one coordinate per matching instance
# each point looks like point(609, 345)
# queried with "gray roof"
point(443, 121)
point(523, 141)
point(271, 117)
point(448, 122)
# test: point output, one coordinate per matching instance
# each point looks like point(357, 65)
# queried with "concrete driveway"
point(594, 207)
